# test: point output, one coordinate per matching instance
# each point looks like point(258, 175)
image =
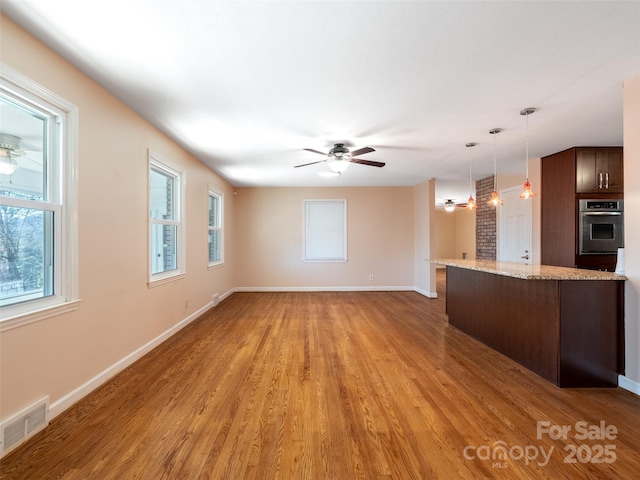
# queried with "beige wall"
point(632, 232)
point(269, 236)
point(445, 234)
point(455, 233)
point(466, 233)
point(118, 313)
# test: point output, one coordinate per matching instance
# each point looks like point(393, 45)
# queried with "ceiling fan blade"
point(361, 151)
point(312, 163)
point(315, 151)
point(361, 161)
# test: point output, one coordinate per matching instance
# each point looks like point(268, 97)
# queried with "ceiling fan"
point(450, 205)
point(339, 157)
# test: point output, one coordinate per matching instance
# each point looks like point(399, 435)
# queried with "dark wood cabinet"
point(569, 332)
point(567, 176)
point(599, 170)
point(558, 209)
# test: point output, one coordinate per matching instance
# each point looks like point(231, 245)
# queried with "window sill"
point(23, 319)
point(165, 280)
point(213, 266)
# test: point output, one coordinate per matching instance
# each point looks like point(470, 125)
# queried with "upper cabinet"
point(599, 170)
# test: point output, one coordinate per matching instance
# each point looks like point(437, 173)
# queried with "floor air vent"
point(18, 428)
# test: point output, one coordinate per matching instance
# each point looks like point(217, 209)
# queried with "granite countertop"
point(530, 272)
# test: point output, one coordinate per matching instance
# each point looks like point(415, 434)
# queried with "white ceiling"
point(246, 86)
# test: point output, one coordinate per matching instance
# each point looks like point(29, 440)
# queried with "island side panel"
point(518, 318)
point(591, 332)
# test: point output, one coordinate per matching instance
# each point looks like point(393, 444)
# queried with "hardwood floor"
point(332, 385)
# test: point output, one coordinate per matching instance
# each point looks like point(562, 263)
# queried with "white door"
point(515, 227)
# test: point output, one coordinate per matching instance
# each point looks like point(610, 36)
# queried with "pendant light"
point(495, 199)
point(527, 191)
point(471, 203)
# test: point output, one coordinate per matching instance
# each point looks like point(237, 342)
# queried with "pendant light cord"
point(527, 156)
point(495, 164)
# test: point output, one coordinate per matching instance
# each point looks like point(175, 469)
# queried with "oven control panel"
point(600, 205)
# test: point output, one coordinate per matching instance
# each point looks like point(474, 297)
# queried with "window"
point(38, 240)
point(165, 225)
point(215, 228)
point(325, 233)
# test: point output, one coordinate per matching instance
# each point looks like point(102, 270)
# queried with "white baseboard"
point(60, 405)
point(227, 293)
point(326, 289)
point(628, 384)
point(426, 293)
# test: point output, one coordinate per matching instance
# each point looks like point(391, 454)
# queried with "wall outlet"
point(371, 277)
point(186, 304)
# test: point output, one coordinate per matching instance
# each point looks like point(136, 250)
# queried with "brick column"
point(485, 221)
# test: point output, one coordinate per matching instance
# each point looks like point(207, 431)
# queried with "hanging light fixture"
point(495, 198)
point(527, 191)
point(449, 205)
point(471, 203)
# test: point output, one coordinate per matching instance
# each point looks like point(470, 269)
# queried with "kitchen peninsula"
point(565, 324)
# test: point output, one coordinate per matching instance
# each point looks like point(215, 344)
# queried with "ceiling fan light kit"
point(449, 205)
point(338, 166)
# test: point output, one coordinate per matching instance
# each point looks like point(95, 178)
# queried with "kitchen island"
point(565, 324)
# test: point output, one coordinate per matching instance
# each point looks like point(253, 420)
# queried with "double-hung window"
point(216, 252)
point(38, 239)
point(166, 235)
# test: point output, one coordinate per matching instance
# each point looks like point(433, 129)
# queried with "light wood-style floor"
point(331, 385)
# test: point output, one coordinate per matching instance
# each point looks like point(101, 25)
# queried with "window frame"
point(213, 192)
point(157, 162)
point(307, 203)
point(61, 199)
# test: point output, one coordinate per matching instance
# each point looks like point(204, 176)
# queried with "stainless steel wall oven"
point(601, 226)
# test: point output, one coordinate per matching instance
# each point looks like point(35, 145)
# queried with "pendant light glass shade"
point(338, 166)
point(471, 203)
point(495, 198)
point(527, 190)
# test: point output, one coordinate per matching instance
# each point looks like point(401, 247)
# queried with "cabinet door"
point(558, 209)
point(609, 169)
point(586, 178)
point(599, 170)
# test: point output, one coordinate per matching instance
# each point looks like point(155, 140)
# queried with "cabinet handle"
point(600, 180)
point(606, 180)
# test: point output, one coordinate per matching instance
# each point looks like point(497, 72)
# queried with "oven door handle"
point(601, 213)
